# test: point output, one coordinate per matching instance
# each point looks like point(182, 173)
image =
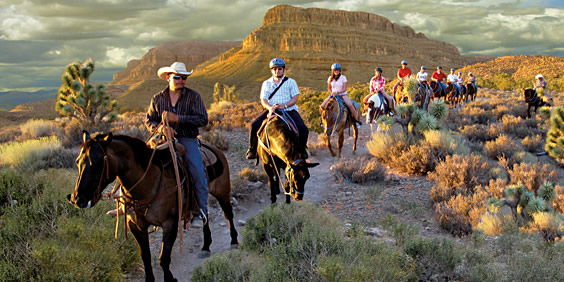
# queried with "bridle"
point(337, 120)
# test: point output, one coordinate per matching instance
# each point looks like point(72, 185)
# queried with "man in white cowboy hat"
point(540, 88)
point(186, 112)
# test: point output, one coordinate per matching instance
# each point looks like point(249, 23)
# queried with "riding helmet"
point(470, 73)
point(277, 62)
point(404, 62)
point(452, 69)
point(378, 69)
point(336, 66)
point(423, 67)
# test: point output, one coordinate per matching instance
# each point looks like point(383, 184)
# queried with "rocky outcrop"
point(192, 53)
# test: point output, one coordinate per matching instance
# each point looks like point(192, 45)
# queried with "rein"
point(335, 125)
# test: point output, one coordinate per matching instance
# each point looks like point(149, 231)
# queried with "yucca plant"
point(78, 98)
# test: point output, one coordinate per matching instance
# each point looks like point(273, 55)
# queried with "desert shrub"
point(438, 109)
point(461, 213)
point(317, 143)
point(32, 155)
point(9, 133)
point(493, 224)
point(308, 104)
point(558, 202)
point(533, 143)
point(71, 135)
point(418, 160)
point(555, 135)
point(227, 115)
point(234, 265)
point(387, 147)
point(215, 138)
point(532, 175)
point(253, 175)
point(361, 170)
point(130, 124)
point(504, 146)
point(481, 132)
point(47, 239)
point(435, 259)
point(400, 231)
point(458, 175)
point(36, 128)
point(475, 114)
point(315, 244)
point(514, 126)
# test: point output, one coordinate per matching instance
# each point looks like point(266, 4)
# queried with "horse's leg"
point(205, 252)
point(341, 139)
point(142, 239)
point(227, 208)
point(328, 143)
point(272, 182)
point(529, 111)
point(170, 230)
point(355, 135)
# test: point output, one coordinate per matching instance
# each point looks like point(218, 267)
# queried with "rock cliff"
point(192, 53)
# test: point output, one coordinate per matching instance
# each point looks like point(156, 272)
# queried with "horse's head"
point(370, 111)
point(297, 173)
point(93, 170)
point(329, 115)
point(528, 93)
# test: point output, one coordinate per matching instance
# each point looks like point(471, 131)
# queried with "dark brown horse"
point(280, 149)
point(471, 91)
point(335, 118)
point(424, 93)
point(452, 94)
point(150, 189)
point(438, 92)
point(534, 101)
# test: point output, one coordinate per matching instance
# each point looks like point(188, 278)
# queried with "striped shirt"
point(286, 92)
point(190, 109)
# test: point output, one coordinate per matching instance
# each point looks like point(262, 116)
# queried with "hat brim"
point(164, 71)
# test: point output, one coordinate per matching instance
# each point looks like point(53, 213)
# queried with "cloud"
point(49, 34)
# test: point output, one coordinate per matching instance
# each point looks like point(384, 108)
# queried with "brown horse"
point(533, 101)
point(424, 93)
point(280, 149)
point(335, 118)
point(471, 91)
point(150, 189)
point(452, 95)
point(438, 92)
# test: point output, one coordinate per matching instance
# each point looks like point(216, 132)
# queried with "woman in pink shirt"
point(377, 84)
point(337, 86)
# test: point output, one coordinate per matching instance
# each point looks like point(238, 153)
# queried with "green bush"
point(308, 104)
point(47, 239)
point(436, 259)
point(302, 242)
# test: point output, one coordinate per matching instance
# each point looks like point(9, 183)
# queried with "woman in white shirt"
point(422, 77)
point(337, 86)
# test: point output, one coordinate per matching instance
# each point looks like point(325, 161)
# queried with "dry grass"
point(533, 176)
point(32, 155)
point(215, 138)
point(504, 146)
point(361, 170)
point(533, 143)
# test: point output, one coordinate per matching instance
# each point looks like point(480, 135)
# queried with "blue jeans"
point(457, 88)
point(193, 159)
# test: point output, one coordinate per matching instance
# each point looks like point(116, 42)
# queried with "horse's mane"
point(290, 137)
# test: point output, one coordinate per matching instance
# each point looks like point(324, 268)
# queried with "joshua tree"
point(79, 99)
point(555, 135)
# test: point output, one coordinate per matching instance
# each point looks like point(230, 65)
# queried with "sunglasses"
point(277, 68)
point(176, 76)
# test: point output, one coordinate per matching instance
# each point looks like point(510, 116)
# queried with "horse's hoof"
point(234, 246)
point(204, 254)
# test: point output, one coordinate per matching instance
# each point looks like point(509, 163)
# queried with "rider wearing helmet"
point(438, 77)
point(337, 86)
point(422, 77)
point(377, 84)
point(472, 79)
point(278, 93)
point(453, 78)
point(402, 72)
point(460, 80)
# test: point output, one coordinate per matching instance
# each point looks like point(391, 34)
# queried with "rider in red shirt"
point(402, 72)
point(439, 76)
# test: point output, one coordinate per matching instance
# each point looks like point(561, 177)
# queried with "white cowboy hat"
point(176, 67)
point(539, 75)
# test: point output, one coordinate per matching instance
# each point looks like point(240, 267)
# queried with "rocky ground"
point(404, 196)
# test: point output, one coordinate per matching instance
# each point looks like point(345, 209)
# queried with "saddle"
point(344, 107)
point(289, 122)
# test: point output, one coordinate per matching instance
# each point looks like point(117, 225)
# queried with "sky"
point(38, 38)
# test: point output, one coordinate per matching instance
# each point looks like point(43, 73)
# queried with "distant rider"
point(472, 79)
point(337, 86)
point(422, 77)
point(403, 72)
point(453, 78)
point(438, 77)
point(540, 83)
point(377, 84)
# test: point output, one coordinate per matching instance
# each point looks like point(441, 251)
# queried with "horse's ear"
point(108, 138)
point(312, 164)
point(85, 136)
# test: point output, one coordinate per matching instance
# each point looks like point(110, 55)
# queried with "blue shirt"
point(286, 92)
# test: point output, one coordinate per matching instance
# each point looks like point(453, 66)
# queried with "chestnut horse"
point(335, 118)
point(280, 149)
point(438, 92)
point(533, 100)
point(150, 189)
point(452, 95)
